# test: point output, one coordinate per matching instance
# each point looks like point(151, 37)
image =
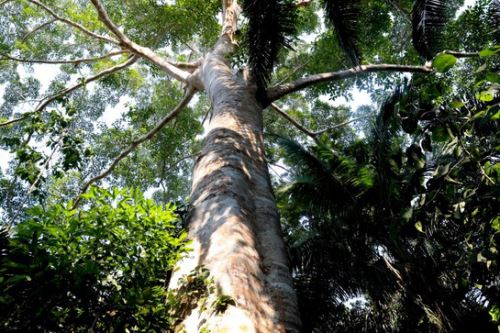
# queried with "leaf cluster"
point(405, 220)
point(103, 267)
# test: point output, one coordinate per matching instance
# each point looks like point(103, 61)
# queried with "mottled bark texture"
point(234, 224)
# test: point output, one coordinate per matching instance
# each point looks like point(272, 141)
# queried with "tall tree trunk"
point(234, 224)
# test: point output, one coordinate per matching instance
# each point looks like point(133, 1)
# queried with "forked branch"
point(183, 103)
point(68, 90)
point(38, 28)
point(281, 90)
point(141, 51)
point(73, 24)
point(312, 134)
point(294, 122)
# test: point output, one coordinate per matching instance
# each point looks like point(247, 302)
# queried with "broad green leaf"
point(489, 52)
point(485, 96)
point(443, 62)
point(457, 104)
point(495, 313)
point(495, 224)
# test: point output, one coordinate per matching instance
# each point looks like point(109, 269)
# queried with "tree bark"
point(234, 225)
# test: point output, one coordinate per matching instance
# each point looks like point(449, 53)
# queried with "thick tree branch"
point(183, 103)
point(104, 17)
point(279, 91)
point(68, 90)
point(73, 24)
point(313, 135)
point(144, 52)
point(188, 66)
point(53, 62)
point(231, 11)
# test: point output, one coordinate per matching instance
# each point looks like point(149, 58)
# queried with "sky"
point(46, 73)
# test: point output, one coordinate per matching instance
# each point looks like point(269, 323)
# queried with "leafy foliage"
point(104, 267)
point(408, 225)
point(392, 230)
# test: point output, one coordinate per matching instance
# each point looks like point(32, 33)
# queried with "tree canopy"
point(381, 131)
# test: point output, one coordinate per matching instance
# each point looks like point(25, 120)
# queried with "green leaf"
point(457, 104)
point(427, 143)
point(18, 278)
point(495, 313)
point(419, 227)
point(485, 96)
point(444, 62)
point(481, 258)
point(495, 224)
point(439, 133)
point(491, 51)
point(493, 77)
point(496, 116)
point(407, 214)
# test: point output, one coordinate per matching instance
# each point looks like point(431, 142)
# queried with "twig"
point(38, 28)
point(71, 61)
point(144, 52)
point(483, 172)
point(295, 70)
point(295, 123)
point(68, 90)
point(73, 24)
point(46, 164)
point(406, 15)
point(279, 91)
point(347, 122)
point(12, 121)
point(308, 132)
point(176, 163)
point(458, 54)
point(185, 101)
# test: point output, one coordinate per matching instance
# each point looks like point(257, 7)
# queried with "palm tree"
point(354, 232)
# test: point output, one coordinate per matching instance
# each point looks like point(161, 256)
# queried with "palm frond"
point(318, 185)
point(271, 25)
point(344, 15)
point(300, 157)
point(494, 13)
point(428, 20)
